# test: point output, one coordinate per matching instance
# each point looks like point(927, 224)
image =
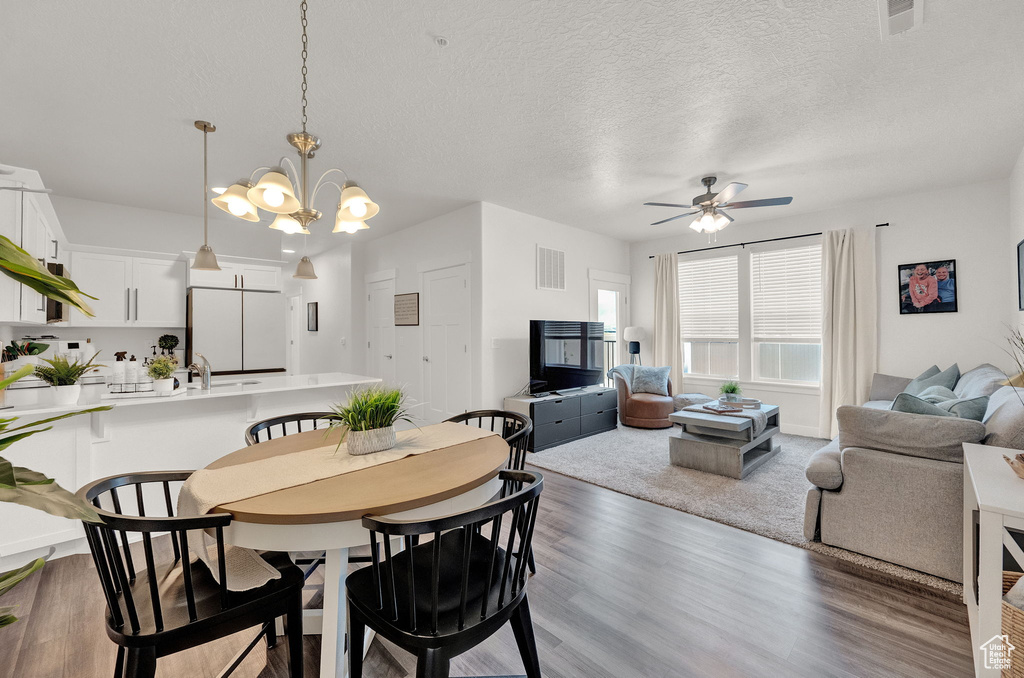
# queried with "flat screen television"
point(565, 354)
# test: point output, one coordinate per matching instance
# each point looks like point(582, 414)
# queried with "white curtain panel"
point(849, 336)
point(668, 351)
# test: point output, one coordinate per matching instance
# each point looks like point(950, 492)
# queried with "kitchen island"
point(184, 431)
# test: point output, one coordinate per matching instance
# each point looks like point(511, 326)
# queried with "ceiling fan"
point(711, 206)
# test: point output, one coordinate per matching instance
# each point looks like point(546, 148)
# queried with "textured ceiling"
point(574, 111)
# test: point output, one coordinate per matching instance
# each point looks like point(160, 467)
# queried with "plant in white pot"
point(64, 375)
point(162, 369)
point(23, 353)
point(731, 392)
point(368, 419)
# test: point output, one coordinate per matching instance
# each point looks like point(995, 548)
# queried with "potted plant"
point(162, 369)
point(24, 353)
point(63, 375)
point(731, 391)
point(368, 419)
point(167, 343)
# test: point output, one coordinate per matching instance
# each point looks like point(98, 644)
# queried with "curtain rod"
point(756, 242)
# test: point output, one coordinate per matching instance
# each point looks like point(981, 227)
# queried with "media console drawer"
point(598, 422)
point(555, 432)
point(547, 411)
point(601, 401)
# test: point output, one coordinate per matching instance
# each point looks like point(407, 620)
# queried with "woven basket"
point(1013, 627)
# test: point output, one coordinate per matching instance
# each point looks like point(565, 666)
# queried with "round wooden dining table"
point(325, 515)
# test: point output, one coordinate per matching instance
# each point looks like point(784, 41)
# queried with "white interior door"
point(445, 319)
point(296, 324)
point(215, 324)
point(380, 330)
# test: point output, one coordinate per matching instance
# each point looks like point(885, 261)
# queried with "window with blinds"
point(786, 313)
point(709, 315)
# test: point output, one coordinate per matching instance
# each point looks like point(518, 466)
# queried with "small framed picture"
point(1020, 275)
point(407, 309)
point(928, 287)
point(312, 317)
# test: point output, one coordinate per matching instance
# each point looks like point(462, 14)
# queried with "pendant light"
point(304, 271)
point(291, 195)
point(205, 260)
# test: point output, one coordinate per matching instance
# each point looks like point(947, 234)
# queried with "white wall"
point(101, 224)
point(922, 227)
point(1016, 231)
point(330, 348)
point(510, 295)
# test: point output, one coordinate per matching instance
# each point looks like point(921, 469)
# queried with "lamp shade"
point(304, 271)
point(274, 193)
point(634, 334)
point(235, 201)
point(355, 205)
point(205, 260)
point(288, 224)
point(345, 224)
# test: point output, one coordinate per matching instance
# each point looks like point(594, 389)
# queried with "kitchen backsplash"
point(137, 341)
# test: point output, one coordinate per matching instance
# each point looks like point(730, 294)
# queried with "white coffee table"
point(721, 444)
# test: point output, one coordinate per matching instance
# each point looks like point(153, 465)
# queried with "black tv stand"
point(561, 417)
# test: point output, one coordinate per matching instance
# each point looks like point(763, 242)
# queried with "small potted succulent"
point(162, 369)
point(367, 421)
point(731, 392)
point(64, 375)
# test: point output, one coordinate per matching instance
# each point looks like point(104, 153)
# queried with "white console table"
point(993, 505)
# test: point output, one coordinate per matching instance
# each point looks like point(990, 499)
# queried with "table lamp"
point(633, 336)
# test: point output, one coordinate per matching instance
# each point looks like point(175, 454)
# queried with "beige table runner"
point(208, 488)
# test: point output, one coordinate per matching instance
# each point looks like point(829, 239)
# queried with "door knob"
point(388, 356)
point(426, 359)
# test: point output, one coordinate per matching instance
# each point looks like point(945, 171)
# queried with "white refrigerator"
point(237, 330)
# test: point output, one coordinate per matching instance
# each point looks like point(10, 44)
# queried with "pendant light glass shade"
point(235, 201)
point(356, 205)
point(346, 224)
point(288, 224)
point(721, 221)
point(274, 193)
point(304, 271)
point(205, 260)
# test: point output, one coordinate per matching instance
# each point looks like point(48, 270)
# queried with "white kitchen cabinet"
point(215, 328)
point(10, 228)
point(130, 291)
point(263, 331)
point(34, 240)
point(238, 277)
point(158, 291)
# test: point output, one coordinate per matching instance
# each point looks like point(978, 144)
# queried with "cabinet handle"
point(558, 401)
point(236, 281)
point(243, 280)
point(127, 304)
point(54, 249)
point(559, 421)
point(136, 303)
point(42, 297)
point(426, 359)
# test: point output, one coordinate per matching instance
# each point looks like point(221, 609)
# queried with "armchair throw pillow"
point(650, 380)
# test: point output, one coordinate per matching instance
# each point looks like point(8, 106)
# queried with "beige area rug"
point(768, 502)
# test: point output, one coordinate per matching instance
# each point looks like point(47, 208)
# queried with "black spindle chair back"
point(288, 424)
point(512, 426)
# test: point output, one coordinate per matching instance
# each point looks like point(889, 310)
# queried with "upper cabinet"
point(24, 221)
point(130, 291)
point(233, 276)
point(35, 239)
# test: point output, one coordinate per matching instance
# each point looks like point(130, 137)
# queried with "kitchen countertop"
point(223, 387)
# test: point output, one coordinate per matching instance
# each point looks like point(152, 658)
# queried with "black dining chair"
point(160, 601)
point(265, 430)
point(512, 426)
point(445, 596)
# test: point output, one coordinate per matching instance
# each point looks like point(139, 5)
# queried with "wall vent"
point(550, 269)
point(898, 16)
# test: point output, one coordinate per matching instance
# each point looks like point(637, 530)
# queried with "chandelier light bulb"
point(237, 207)
point(358, 209)
point(273, 197)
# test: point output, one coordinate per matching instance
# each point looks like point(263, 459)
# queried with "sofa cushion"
point(825, 468)
point(913, 435)
point(879, 404)
point(886, 386)
point(947, 378)
point(966, 408)
point(650, 380)
point(916, 405)
point(1004, 418)
point(983, 380)
point(937, 394)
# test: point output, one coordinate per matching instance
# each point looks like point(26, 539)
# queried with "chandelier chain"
point(305, 46)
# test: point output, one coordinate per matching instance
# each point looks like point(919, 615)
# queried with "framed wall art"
point(928, 287)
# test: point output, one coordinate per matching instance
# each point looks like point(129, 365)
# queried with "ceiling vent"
point(899, 16)
point(550, 269)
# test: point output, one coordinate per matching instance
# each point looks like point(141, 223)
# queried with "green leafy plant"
point(368, 409)
point(18, 264)
point(730, 388)
point(162, 367)
point(63, 372)
point(167, 342)
point(8, 580)
point(25, 348)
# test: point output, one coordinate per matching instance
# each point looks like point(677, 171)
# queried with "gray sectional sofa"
point(890, 485)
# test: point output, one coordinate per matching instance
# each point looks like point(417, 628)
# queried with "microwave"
point(56, 311)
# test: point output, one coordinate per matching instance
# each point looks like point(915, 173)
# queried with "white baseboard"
point(793, 429)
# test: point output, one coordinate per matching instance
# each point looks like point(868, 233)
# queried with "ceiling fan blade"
point(667, 204)
point(729, 192)
point(766, 202)
point(673, 218)
point(725, 215)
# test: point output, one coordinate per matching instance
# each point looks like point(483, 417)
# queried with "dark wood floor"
point(680, 596)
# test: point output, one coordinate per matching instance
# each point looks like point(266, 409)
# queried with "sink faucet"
point(203, 371)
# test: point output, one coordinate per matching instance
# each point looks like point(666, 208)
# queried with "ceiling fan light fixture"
point(235, 201)
point(721, 221)
point(274, 192)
